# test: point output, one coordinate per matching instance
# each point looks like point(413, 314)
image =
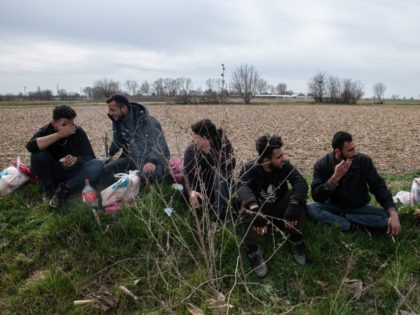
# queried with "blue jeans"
point(51, 173)
point(367, 215)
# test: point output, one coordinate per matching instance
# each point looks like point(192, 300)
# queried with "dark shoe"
point(361, 229)
point(257, 263)
point(299, 254)
point(60, 195)
point(47, 194)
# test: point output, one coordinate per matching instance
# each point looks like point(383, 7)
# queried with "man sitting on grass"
point(341, 183)
point(62, 157)
point(267, 200)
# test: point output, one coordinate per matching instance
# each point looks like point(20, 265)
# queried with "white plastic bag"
point(11, 178)
point(124, 190)
point(415, 192)
point(402, 197)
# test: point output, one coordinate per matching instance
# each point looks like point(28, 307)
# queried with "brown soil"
point(390, 135)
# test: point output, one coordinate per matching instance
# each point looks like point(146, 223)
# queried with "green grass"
point(48, 259)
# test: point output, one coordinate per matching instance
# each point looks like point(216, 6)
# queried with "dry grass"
point(390, 135)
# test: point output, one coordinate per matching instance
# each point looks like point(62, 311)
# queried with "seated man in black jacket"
point(264, 191)
point(341, 183)
point(62, 156)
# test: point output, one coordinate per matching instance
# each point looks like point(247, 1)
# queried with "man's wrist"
point(392, 211)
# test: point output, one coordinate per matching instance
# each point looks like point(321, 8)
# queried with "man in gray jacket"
point(141, 139)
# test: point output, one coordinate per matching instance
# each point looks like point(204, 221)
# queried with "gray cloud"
point(74, 43)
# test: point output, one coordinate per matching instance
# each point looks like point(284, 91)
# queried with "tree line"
point(246, 82)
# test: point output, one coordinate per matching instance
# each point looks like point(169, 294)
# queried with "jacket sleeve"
point(189, 168)
point(32, 145)
point(298, 183)
point(116, 141)
point(159, 153)
point(378, 187)
point(245, 192)
point(84, 152)
point(321, 187)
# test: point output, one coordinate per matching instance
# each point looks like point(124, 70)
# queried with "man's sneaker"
point(299, 253)
point(60, 195)
point(47, 194)
point(258, 264)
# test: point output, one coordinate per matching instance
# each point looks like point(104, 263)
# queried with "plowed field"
point(390, 135)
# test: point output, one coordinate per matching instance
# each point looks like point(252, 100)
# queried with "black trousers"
point(274, 213)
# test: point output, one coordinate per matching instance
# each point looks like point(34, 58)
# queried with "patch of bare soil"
point(390, 135)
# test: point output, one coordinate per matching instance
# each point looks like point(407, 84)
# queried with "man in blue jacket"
point(62, 157)
point(140, 137)
point(341, 183)
point(263, 189)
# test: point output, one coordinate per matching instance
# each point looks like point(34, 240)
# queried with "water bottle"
point(89, 195)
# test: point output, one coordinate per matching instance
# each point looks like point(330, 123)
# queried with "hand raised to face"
point(202, 143)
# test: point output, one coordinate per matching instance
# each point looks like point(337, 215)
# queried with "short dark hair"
point(266, 144)
point(340, 138)
point(63, 111)
point(206, 128)
point(119, 99)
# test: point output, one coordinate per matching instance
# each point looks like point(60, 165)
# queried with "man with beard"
point(141, 139)
point(341, 183)
point(268, 201)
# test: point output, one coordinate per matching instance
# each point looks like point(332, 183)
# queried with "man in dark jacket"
point(62, 156)
point(141, 139)
point(340, 188)
point(263, 189)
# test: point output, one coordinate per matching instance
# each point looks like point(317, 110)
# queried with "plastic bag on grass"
point(415, 192)
point(176, 166)
point(13, 177)
point(124, 190)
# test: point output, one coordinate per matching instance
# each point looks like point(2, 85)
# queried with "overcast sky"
point(74, 43)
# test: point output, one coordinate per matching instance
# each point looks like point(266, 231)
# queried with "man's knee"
point(314, 209)
point(40, 161)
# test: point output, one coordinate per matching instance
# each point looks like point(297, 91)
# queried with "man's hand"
point(65, 131)
point(394, 227)
point(341, 169)
point(260, 230)
point(195, 198)
point(202, 143)
point(68, 160)
point(292, 212)
point(149, 168)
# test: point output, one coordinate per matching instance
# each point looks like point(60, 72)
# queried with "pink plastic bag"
point(176, 166)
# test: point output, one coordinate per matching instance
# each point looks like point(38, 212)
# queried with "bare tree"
point(281, 88)
point(352, 91)
point(262, 87)
point(145, 88)
point(131, 86)
point(159, 87)
point(317, 85)
point(379, 91)
point(245, 81)
point(184, 86)
point(105, 88)
point(334, 90)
